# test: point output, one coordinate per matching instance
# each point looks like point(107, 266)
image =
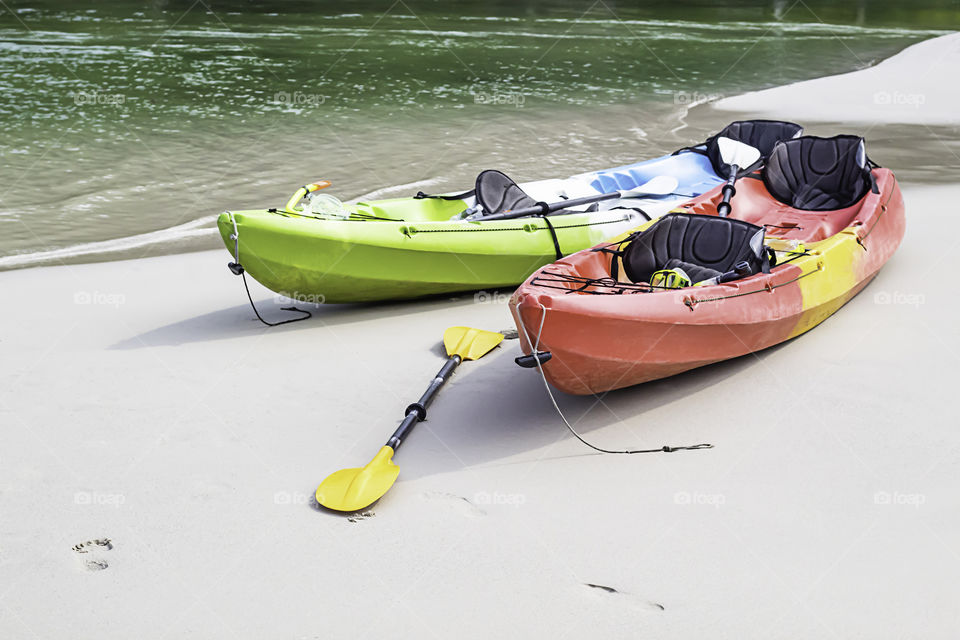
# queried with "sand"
point(142, 403)
point(917, 86)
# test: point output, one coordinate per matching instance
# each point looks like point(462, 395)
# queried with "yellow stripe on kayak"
point(823, 293)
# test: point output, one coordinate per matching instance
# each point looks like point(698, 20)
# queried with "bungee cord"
point(237, 269)
point(535, 347)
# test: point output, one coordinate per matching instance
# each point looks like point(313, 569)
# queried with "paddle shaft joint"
point(418, 410)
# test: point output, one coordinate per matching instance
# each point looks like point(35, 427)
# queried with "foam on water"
point(193, 229)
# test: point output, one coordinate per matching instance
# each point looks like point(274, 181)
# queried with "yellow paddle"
point(355, 489)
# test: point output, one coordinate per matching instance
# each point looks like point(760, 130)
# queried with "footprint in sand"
point(459, 503)
point(93, 553)
point(635, 601)
point(361, 516)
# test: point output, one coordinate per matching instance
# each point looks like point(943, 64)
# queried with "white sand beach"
point(142, 403)
point(917, 86)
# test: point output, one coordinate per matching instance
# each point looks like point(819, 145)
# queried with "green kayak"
point(419, 246)
point(352, 261)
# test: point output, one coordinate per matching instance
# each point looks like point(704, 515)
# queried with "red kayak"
point(806, 234)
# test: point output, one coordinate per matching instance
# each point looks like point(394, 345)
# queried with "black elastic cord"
point(273, 324)
point(618, 252)
point(553, 234)
point(663, 449)
point(534, 348)
point(638, 210)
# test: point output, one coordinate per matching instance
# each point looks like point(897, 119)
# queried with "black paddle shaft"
point(542, 208)
point(729, 190)
point(418, 410)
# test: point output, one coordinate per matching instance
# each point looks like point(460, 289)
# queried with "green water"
point(125, 118)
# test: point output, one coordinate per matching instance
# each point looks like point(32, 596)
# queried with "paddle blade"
point(660, 185)
point(469, 343)
point(657, 186)
point(355, 489)
point(737, 153)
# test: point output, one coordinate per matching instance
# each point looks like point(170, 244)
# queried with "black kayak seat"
point(818, 174)
point(760, 134)
point(497, 193)
point(703, 246)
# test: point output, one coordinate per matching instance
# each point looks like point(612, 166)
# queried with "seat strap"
point(749, 171)
point(697, 148)
point(614, 265)
point(460, 196)
point(617, 253)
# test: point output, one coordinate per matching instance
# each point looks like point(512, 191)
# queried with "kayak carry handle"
point(534, 359)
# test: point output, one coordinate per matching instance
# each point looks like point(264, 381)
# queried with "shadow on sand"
point(499, 410)
point(239, 321)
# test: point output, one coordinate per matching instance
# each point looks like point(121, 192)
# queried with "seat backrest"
point(497, 193)
point(760, 134)
point(710, 242)
point(818, 174)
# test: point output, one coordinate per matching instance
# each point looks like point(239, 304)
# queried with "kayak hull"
point(604, 342)
point(665, 349)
